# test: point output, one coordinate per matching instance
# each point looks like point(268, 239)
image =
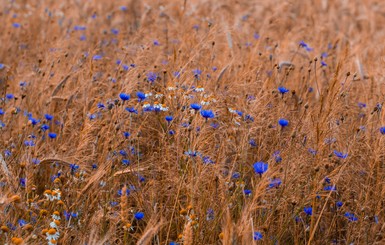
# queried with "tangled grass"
point(192, 122)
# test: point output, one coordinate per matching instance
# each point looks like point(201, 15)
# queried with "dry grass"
point(201, 197)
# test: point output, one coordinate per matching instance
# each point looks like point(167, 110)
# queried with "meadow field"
point(192, 122)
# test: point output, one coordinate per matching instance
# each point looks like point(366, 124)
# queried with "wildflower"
point(283, 122)
point(158, 95)
point(257, 236)
point(79, 28)
point(340, 154)
point(156, 43)
point(199, 89)
point(16, 25)
point(169, 118)
point(275, 183)
point(29, 143)
point(312, 151)
point(252, 143)
point(124, 96)
point(52, 234)
point(123, 8)
point(1, 112)
point(308, 210)
point(2, 66)
point(131, 110)
point(9, 96)
point(196, 107)
point(382, 130)
point(256, 35)
point(97, 57)
point(247, 192)
point(351, 217)
point(151, 77)
point(323, 64)
point(139, 215)
point(171, 132)
point(17, 240)
point(191, 153)
point(114, 31)
point(22, 222)
point(207, 160)
point(126, 162)
point(304, 45)
point(54, 224)
point(330, 188)
point(210, 214)
point(260, 167)
point(236, 175)
point(52, 135)
point(207, 114)
point(339, 204)
point(197, 73)
point(56, 215)
point(282, 90)
point(23, 182)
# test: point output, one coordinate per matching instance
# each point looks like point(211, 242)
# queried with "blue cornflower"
point(141, 96)
point(123, 8)
point(126, 134)
point(35, 161)
point(74, 167)
point(382, 130)
point(207, 160)
point(151, 77)
point(23, 182)
point(124, 96)
point(100, 105)
point(210, 214)
point(126, 67)
point(29, 143)
point(2, 66)
point(171, 132)
point(247, 192)
point(131, 110)
point(236, 175)
point(97, 57)
point(156, 43)
point(330, 188)
point(312, 151)
point(260, 167)
point(123, 153)
point(169, 118)
point(304, 45)
point(52, 135)
point(351, 216)
point(83, 37)
point(9, 96)
point(275, 183)
point(327, 180)
point(257, 236)
point(139, 215)
point(323, 63)
point(2, 125)
point(23, 84)
point(361, 105)
point(79, 28)
point(114, 31)
point(282, 90)
point(195, 106)
point(283, 122)
point(1, 112)
point(48, 117)
point(22, 222)
point(126, 162)
point(207, 114)
point(16, 25)
point(176, 74)
point(253, 143)
point(339, 204)
point(340, 154)
point(308, 210)
point(277, 156)
point(197, 73)
point(94, 166)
